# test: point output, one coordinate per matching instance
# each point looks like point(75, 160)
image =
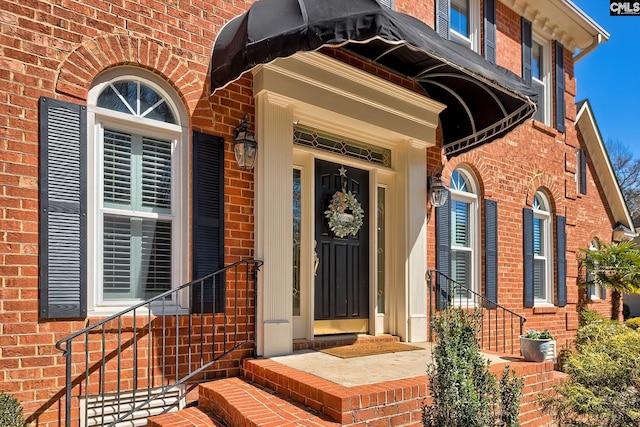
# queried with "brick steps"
point(188, 417)
point(396, 402)
point(270, 394)
point(241, 403)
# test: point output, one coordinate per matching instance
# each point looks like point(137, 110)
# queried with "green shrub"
point(603, 388)
point(633, 323)
point(599, 332)
point(10, 412)
point(587, 316)
point(464, 392)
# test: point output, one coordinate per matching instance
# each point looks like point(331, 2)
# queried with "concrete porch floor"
point(373, 369)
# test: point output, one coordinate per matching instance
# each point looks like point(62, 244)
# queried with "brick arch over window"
point(549, 185)
point(94, 56)
point(475, 163)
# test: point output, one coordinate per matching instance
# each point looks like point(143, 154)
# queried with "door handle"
point(316, 259)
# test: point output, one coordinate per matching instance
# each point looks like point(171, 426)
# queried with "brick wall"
point(56, 49)
point(510, 170)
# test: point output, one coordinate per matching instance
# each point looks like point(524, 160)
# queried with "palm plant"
point(615, 266)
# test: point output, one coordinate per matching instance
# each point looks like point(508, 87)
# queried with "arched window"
point(465, 230)
point(137, 163)
point(542, 250)
point(594, 291)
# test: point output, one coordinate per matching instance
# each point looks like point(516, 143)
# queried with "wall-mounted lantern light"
point(245, 146)
point(437, 190)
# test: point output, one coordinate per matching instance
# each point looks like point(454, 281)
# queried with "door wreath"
point(345, 214)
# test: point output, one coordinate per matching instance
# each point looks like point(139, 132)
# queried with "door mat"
point(368, 349)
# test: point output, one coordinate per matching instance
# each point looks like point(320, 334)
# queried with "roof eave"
point(561, 20)
point(588, 127)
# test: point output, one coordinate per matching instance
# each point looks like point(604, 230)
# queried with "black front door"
point(342, 277)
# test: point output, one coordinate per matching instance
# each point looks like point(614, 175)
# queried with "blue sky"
point(610, 76)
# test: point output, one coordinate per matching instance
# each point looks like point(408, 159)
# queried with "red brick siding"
point(57, 49)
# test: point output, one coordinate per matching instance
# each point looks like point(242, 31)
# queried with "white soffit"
point(588, 128)
point(561, 20)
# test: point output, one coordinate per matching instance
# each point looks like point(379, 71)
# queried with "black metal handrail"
point(157, 345)
point(497, 331)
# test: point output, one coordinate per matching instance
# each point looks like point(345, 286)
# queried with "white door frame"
point(328, 95)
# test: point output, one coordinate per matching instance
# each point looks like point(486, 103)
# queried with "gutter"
point(597, 39)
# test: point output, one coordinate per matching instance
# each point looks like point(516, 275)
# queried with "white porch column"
point(416, 220)
point(273, 219)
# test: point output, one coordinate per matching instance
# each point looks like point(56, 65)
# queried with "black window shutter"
point(560, 113)
point(443, 253)
point(208, 221)
point(603, 292)
point(63, 209)
point(491, 251)
point(583, 172)
point(442, 18)
point(527, 239)
point(490, 30)
point(561, 245)
point(527, 51)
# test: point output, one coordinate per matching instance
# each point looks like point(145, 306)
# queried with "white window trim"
point(474, 235)
point(473, 41)
point(546, 77)
point(596, 288)
point(578, 170)
point(548, 250)
point(99, 118)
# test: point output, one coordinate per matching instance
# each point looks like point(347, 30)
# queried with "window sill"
point(99, 313)
point(549, 130)
point(545, 310)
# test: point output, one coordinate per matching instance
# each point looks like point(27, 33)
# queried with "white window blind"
point(136, 248)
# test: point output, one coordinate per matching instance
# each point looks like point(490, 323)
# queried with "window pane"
point(109, 99)
point(461, 271)
point(156, 173)
point(129, 91)
point(155, 268)
point(537, 65)
point(153, 106)
point(137, 257)
point(538, 236)
point(117, 255)
point(539, 285)
point(460, 16)
point(538, 87)
point(132, 97)
point(459, 223)
point(297, 218)
point(460, 182)
point(381, 251)
point(117, 168)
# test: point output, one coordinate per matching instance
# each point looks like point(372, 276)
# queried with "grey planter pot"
point(537, 350)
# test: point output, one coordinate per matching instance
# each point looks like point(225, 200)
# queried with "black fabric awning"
point(484, 101)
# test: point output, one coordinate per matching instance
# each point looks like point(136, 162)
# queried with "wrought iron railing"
point(500, 327)
point(149, 350)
